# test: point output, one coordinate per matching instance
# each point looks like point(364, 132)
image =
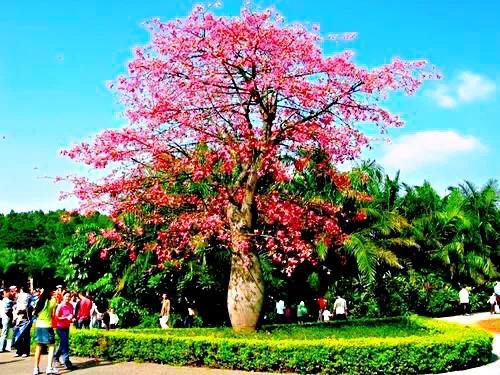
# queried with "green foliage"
point(445, 347)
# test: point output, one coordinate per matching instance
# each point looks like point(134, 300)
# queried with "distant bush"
point(431, 347)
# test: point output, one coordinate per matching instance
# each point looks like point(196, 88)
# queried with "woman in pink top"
point(64, 315)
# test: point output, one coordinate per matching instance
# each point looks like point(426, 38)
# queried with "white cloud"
point(474, 87)
point(443, 98)
point(466, 88)
point(411, 152)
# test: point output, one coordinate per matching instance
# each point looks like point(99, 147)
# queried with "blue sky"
point(56, 56)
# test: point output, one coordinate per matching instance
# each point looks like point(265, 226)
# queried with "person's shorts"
point(45, 336)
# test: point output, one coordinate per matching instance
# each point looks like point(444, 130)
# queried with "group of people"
point(493, 301)
point(337, 311)
point(165, 313)
point(45, 310)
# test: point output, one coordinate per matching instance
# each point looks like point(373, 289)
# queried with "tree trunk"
point(246, 286)
point(245, 293)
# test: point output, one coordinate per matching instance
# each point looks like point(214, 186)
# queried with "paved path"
point(15, 366)
point(491, 368)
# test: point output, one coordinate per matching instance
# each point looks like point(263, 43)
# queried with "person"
point(280, 311)
point(493, 303)
point(83, 311)
point(23, 301)
point(496, 289)
point(301, 312)
point(340, 308)
point(113, 319)
point(463, 297)
point(6, 314)
point(327, 315)
point(64, 314)
point(44, 333)
point(165, 311)
point(1, 306)
point(288, 314)
point(22, 338)
point(95, 316)
point(322, 305)
point(105, 320)
point(189, 320)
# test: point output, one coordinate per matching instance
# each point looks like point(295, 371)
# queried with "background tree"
point(221, 111)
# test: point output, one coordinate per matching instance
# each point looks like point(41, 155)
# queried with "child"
point(327, 315)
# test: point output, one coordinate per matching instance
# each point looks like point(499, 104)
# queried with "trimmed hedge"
point(446, 347)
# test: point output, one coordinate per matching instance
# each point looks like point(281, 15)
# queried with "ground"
point(14, 366)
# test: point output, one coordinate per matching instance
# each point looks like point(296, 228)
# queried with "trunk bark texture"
point(246, 287)
point(245, 293)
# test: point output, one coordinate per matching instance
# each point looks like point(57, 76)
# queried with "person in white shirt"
point(327, 315)
point(493, 303)
point(463, 296)
point(340, 308)
point(113, 319)
point(280, 310)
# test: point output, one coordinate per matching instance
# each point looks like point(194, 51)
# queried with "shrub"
point(444, 347)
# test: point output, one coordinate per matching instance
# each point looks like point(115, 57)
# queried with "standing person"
point(105, 320)
point(463, 297)
point(94, 316)
point(280, 311)
point(493, 303)
point(44, 333)
point(22, 338)
point(24, 300)
point(288, 314)
point(64, 314)
point(340, 308)
point(301, 312)
point(6, 313)
point(83, 314)
point(322, 305)
point(165, 311)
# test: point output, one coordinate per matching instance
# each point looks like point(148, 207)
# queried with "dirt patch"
point(490, 325)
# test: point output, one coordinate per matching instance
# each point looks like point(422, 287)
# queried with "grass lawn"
point(313, 331)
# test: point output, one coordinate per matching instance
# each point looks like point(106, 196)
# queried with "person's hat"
point(12, 287)
point(58, 286)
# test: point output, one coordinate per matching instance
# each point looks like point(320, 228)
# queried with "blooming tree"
point(223, 112)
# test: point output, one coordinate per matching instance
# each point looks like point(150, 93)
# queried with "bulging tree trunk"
point(245, 293)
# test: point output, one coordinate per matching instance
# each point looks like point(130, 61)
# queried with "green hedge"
point(446, 347)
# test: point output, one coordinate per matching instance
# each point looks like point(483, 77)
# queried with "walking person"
point(113, 319)
point(165, 311)
point(280, 311)
point(493, 303)
point(22, 338)
point(44, 333)
point(83, 313)
point(340, 308)
point(301, 312)
point(64, 317)
point(463, 297)
point(322, 304)
point(6, 314)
